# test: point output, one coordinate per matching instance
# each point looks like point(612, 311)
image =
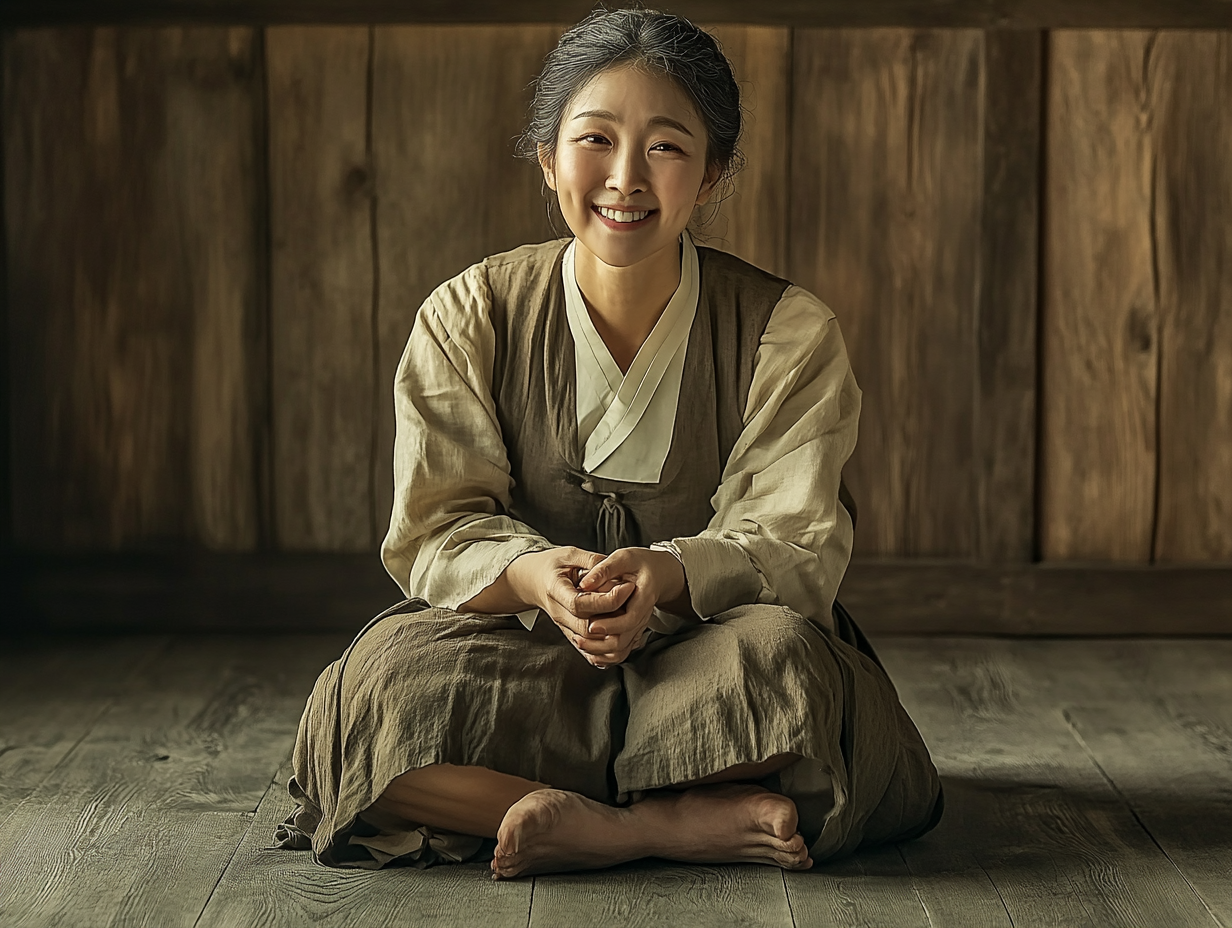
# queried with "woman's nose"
point(628, 173)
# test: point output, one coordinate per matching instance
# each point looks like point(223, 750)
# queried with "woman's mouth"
point(624, 219)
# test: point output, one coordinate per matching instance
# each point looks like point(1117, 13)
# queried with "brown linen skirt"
point(422, 685)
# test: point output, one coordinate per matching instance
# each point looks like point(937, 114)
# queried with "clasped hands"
point(603, 605)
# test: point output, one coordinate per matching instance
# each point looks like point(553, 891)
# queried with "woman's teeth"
point(617, 215)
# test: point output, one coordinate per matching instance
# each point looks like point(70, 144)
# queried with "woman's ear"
point(709, 182)
point(548, 163)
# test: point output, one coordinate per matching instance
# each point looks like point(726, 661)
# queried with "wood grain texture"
point(1025, 803)
point(1005, 418)
point(6, 475)
point(1100, 304)
point(657, 894)
point(447, 105)
point(1190, 87)
point(992, 14)
point(887, 135)
point(136, 825)
point(37, 732)
point(868, 890)
point(753, 221)
point(130, 206)
point(1182, 738)
point(321, 287)
point(264, 886)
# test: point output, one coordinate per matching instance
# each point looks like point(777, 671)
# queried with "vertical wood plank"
point(1192, 120)
point(1100, 306)
point(448, 101)
point(321, 286)
point(753, 221)
point(1008, 319)
point(130, 207)
point(887, 138)
point(6, 475)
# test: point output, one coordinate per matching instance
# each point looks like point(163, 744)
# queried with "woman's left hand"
point(658, 579)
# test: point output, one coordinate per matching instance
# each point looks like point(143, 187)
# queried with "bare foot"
point(551, 831)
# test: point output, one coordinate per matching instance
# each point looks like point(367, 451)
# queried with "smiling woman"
point(618, 452)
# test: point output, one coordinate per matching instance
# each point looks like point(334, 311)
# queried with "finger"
point(614, 565)
point(613, 648)
point(587, 605)
point(637, 611)
point(581, 606)
point(609, 660)
point(599, 647)
point(570, 625)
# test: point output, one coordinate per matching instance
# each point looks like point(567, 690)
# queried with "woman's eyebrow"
point(653, 121)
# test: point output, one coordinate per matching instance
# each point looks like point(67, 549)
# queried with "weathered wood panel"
point(1100, 306)
point(447, 104)
point(1191, 90)
point(1008, 293)
point(131, 194)
point(991, 14)
point(887, 139)
point(321, 286)
point(753, 221)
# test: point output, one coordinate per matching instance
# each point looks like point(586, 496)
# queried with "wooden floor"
point(1089, 782)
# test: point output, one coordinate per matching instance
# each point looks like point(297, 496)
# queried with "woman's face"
point(630, 165)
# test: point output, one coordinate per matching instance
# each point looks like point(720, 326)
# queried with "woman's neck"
point(625, 302)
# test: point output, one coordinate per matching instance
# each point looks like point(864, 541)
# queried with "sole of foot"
point(554, 831)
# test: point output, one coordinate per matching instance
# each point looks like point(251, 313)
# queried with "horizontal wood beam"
point(987, 14)
point(320, 592)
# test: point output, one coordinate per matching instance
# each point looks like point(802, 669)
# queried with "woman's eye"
point(664, 146)
point(593, 139)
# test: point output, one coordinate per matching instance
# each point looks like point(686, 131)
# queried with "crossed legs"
point(716, 819)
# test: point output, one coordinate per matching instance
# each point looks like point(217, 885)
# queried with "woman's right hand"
point(548, 579)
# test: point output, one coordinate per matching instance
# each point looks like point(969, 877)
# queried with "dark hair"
point(669, 44)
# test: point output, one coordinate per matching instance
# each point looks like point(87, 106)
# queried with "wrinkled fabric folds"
point(425, 686)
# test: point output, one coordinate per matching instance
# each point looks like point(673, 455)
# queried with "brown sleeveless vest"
point(534, 383)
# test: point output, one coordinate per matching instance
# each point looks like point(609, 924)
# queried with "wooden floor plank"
point(137, 823)
point(658, 894)
point(265, 886)
point(1158, 723)
point(1025, 803)
point(51, 693)
point(869, 890)
point(1087, 783)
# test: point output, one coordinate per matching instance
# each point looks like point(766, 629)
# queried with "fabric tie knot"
point(614, 523)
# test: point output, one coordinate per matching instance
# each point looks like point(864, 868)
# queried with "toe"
point(800, 861)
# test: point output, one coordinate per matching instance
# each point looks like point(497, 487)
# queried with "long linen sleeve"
point(779, 534)
point(448, 536)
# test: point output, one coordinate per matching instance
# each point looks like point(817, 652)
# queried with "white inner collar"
point(611, 405)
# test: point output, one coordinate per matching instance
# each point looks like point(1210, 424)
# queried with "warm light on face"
point(630, 165)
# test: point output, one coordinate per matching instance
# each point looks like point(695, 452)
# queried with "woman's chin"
point(623, 253)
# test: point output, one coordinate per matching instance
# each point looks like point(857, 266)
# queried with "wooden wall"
point(216, 240)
